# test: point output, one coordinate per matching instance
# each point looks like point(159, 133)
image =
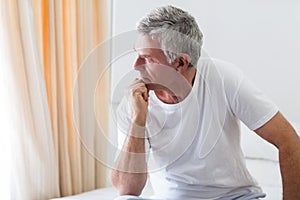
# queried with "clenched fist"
point(138, 99)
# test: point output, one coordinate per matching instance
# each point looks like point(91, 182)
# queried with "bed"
point(262, 162)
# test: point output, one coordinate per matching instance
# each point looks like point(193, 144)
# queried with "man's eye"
point(144, 57)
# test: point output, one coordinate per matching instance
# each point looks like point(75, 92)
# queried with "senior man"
point(184, 114)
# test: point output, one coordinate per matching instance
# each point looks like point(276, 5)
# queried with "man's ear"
point(182, 62)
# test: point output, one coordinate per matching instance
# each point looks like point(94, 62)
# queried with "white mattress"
point(267, 174)
point(100, 194)
point(108, 193)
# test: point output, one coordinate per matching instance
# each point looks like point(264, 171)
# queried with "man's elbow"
point(125, 190)
point(124, 187)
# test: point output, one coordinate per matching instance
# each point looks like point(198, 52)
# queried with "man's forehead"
point(146, 42)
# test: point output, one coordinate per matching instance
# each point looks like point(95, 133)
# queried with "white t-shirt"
point(193, 147)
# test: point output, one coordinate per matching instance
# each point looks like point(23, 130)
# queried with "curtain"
point(55, 135)
point(34, 166)
point(68, 30)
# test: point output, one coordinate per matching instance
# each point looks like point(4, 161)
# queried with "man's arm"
point(280, 133)
point(129, 175)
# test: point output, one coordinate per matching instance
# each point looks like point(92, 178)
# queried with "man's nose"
point(139, 64)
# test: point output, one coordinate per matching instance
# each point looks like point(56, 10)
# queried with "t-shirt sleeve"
point(247, 102)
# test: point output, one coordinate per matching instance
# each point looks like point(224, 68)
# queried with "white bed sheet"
point(108, 193)
point(100, 194)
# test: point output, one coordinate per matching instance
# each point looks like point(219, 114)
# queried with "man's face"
point(152, 64)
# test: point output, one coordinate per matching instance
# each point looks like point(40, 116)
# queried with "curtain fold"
point(68, 32)
point(48, 41)
point(34, 164)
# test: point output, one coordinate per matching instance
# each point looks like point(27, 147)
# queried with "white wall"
point(261, 37)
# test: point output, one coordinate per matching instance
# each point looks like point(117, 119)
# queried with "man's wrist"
point(138, 129)
point(139, 121)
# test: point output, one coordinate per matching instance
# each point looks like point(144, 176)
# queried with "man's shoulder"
point(216, 63)
point(213, 69)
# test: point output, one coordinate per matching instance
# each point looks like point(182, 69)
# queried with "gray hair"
point(177, 30)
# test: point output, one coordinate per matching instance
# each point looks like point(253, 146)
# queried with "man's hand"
point(138, 98)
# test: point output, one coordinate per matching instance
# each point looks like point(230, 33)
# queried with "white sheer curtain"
point(43, 42)
point(67, 32)
point(5, 154)
point(34, 165)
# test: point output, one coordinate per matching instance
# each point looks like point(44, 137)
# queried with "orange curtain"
point(67, 31)
point(33, 171)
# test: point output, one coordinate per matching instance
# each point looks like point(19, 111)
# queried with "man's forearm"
point(289, 157)
point(279, 132)
point(130, 173)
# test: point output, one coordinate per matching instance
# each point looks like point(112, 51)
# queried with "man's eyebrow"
point(142, 55)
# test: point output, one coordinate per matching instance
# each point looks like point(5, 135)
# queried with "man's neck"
point(169, 97)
